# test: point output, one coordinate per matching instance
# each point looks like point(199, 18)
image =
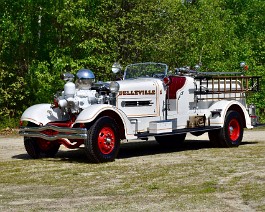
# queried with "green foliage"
point(41, 39)
point(7, 125)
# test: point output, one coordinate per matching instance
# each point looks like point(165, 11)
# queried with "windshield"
point(156, 70)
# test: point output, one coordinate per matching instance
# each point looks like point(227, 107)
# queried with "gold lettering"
point(138, 92)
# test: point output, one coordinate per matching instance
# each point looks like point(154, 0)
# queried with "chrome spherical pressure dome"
point(85, 78)
point(85, 74)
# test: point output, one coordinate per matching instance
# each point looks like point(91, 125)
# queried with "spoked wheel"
point(103, 142)
point(171, 140)
point(35, 147)
point(231, 134)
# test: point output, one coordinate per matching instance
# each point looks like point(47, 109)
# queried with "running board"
point(180, 131)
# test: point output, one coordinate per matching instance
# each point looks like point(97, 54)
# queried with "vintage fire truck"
point(148, 101)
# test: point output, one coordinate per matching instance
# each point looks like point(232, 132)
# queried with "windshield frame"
point(142, 72)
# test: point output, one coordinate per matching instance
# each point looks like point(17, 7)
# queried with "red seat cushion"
point(177, 83)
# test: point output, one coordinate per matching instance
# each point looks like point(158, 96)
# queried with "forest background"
point(40, 39)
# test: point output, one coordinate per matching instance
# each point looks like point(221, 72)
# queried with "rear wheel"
point(103, 142)
point(232, 132)
point(171, 140)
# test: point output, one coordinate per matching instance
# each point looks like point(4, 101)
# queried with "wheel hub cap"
point(106, 140)
point(234, 129)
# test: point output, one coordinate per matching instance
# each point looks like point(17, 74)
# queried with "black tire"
point(171, 140)
point(35, 147)
point(32, 147)
point(103, 142)
point(51, 151)
point(231, 134)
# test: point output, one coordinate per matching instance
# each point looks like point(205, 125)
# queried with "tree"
point(41, 39)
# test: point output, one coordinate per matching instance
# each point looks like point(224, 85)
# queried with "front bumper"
point(52, 133)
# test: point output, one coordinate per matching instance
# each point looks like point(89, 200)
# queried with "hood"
point(139, 87)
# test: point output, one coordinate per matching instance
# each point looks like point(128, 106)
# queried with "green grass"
point(186, 180)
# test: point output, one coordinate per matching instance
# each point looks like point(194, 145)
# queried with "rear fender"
point(223, 106)
point(91, 113)
point(41, 114)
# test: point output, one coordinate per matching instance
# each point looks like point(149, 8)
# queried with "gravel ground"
point(12, 147)
point(146, 193)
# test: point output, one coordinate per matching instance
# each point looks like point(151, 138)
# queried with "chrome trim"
point(69, 133)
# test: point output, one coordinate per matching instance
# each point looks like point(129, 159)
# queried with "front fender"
point(223, 106)
point(92, 112)
point(41, 114)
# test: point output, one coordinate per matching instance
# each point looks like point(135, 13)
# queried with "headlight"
point(116, 67)
point(114, 87)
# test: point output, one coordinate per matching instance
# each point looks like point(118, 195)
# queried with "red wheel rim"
point(44, 145)
point(234, 129)
point(106, 140)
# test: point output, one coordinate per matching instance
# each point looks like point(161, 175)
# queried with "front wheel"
point(103, 142)
point(232, 132)
point(37, 146)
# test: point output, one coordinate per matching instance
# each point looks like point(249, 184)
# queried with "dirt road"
point(12, 147)
point(145, 177)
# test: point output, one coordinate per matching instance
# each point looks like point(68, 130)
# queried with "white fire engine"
point(147, 102)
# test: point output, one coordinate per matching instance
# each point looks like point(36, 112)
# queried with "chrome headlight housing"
point(114, 87)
